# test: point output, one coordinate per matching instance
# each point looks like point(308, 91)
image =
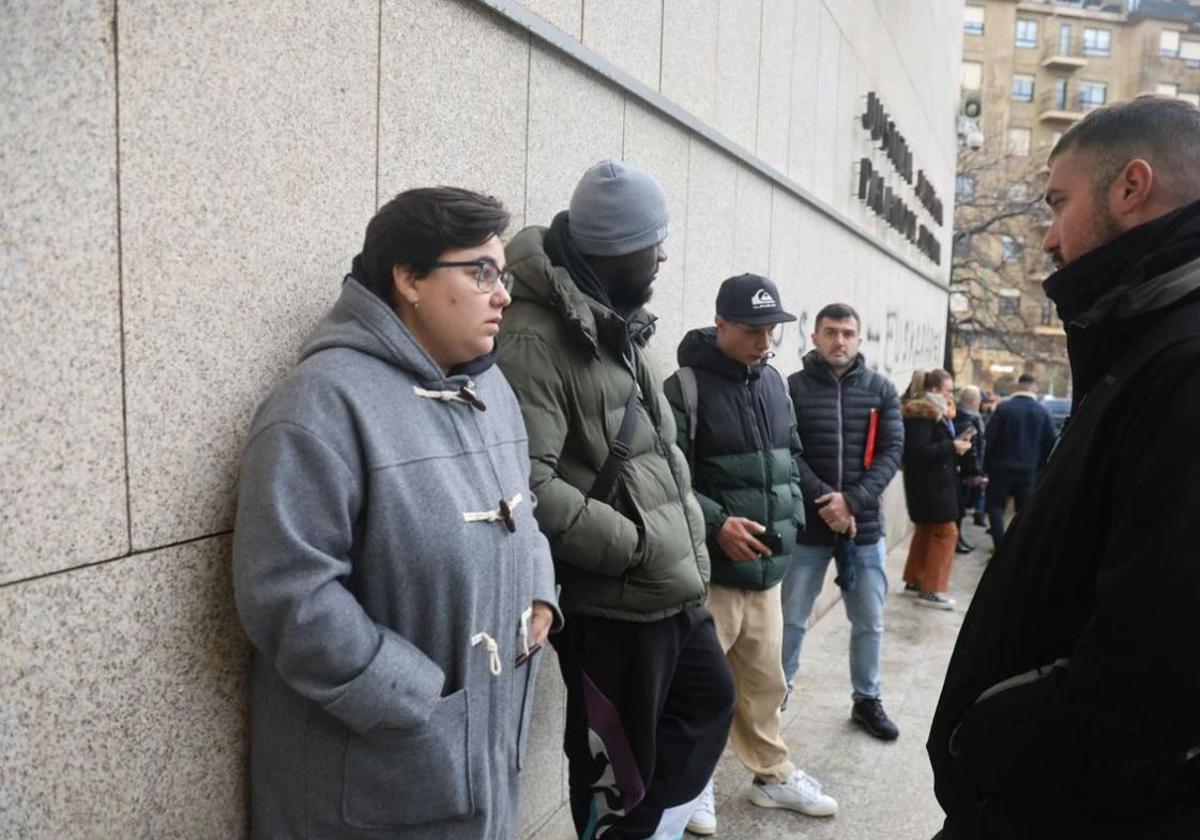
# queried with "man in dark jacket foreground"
point(1020, 435)
point(736, 424)
point(649, 694)
point(844, 469)
point(1069, 707)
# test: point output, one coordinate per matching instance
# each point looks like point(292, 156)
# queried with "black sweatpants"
point(649, 706)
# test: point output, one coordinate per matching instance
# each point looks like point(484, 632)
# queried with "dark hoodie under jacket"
point(833, 415)
point(1070, 703)
point(742, 457)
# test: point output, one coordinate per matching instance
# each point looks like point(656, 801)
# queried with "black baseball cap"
point(751, 299)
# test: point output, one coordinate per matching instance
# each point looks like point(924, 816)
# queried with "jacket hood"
point(538, 280)
point(699, 349)
point(362, 322)
point(921, 409)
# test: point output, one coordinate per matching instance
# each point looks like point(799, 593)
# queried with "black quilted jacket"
point(833, 415)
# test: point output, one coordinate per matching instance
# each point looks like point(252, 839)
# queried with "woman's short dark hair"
point(417, 226)
point(935, 378)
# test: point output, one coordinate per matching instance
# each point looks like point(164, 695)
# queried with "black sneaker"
point(869, 714)
point(963, 547)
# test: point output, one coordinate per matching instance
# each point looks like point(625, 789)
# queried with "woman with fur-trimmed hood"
point(931, 486)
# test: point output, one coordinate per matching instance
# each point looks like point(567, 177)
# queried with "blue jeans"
point(864, 608)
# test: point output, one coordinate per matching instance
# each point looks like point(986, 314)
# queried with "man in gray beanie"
point(649, 693)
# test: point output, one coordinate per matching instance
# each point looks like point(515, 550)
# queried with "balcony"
point(1058, 107)
point(1064, 55)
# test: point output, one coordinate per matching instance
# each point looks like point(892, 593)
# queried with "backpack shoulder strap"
point(691, 400)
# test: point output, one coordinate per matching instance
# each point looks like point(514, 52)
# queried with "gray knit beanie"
point(617, 208)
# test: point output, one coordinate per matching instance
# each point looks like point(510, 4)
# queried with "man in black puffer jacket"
point(852, 438)
point(1069, 707)
point(736, 425)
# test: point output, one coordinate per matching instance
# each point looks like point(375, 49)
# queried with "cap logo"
point(762, 300)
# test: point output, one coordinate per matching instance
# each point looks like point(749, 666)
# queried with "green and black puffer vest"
point(741, 454)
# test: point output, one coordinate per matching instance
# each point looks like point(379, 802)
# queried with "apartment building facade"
point(1031, 68)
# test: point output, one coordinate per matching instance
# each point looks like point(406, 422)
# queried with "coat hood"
point(699, 349)
point(362, 322)
point(921, 409)
point(538, 280)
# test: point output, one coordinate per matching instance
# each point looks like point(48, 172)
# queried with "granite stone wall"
point(184, 186)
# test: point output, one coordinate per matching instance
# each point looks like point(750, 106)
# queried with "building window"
point(1166, 89)
point(1168, 44)
point(1189, 51)
point(1097, 42)
point(1009, 304)
point(1192, 98)
point(964, 187)
point(1047, 313)
point(973, 20)
point(972, 75)
point(1092, 94)
point(1060, 94)
point(1064, 39)
point(1026, 33)
point(1022, 88)
point(1018, 141)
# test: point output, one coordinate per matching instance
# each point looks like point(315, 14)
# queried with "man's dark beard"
point(628, 296)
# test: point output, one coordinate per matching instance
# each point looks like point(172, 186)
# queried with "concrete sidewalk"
point(884, 790)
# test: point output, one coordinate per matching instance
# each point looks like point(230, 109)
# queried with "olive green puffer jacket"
point(742, 455)
point(639, 555)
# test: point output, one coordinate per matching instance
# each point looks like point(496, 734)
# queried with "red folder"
point(872, 430)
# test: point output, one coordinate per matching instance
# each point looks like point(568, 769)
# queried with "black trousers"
point(649, 706)
point(1001, 485)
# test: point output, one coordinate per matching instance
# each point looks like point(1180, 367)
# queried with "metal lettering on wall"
point(886, 203)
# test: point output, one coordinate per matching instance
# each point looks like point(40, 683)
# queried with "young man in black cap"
point(736, 425)
point(649, 695)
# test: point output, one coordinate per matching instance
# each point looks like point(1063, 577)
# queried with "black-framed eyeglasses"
point(487, 273)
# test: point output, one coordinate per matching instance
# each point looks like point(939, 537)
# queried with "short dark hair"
point(1026, 379)
point(837, 312)
point(935, 378)
point(1163, 131)
point(419, 225)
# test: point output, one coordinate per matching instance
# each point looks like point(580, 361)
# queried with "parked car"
point(1060, 410)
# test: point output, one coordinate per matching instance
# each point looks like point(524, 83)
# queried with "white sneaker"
point(934, 599)
point(704, 818)
point(800, 793)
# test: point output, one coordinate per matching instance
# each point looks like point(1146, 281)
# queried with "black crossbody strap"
point(619, 449)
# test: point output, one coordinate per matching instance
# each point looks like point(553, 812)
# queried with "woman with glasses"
point(387, 566)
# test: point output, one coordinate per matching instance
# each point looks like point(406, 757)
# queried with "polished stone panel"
point(62, 470)
point(690, 71)
point(474, 136)
point(124, 710)
point(545, 763)
point(247, 179)
point(565, 14)
point(709, 257)
point(629, 34)
point(802, 125)
point(662, 148)
point(752, 224)
point(575, 120)
point(775, 81)
point(738, 55)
